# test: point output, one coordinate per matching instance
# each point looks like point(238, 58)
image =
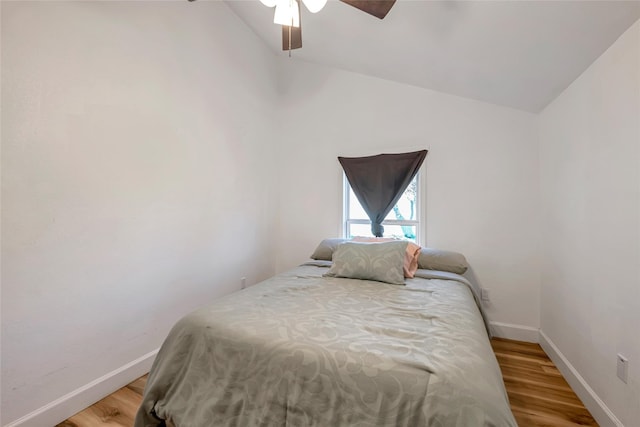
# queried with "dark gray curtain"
point(379, 181)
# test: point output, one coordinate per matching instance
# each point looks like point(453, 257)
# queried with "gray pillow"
point(436, 259)
point(325, 249)
point(382, 262)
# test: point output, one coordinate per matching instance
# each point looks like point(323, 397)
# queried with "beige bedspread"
point(302, 350)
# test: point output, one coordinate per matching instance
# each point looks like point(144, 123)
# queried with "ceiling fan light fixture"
point(287, 13)
point(269, 3)
point(314, 6)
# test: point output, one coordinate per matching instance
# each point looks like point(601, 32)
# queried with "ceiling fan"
point(287, 14)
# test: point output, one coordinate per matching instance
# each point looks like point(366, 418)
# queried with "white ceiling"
point(519, 54)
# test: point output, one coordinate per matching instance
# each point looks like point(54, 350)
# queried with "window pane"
point(405, 209)
point(359, 230)
point(405, 232)
point(355, 209)
point(406, 206)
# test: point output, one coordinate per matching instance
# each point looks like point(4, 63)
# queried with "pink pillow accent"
point(411, 263)
point(410, 259)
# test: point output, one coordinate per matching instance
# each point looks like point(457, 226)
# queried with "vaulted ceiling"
point(519, 54)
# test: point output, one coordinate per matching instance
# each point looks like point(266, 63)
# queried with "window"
point(403, 221)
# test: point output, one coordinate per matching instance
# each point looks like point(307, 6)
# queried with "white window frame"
point(419, 223)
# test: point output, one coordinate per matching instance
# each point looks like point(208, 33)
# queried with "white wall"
point(482, 173)
point(139, 178)
point(590, 180)
point(136, 181)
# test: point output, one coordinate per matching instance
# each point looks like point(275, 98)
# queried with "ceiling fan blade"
point(377, 8)
point(296, 36)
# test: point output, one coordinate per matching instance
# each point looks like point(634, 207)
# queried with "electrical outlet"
point(623, 367)
point(243, 282)
point(484, 295)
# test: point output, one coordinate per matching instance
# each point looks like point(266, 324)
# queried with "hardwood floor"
point(539, 395)
point(116, 410)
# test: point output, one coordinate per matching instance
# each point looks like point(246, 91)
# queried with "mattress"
point(300, 349)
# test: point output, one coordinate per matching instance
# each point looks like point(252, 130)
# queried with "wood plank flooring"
point(116, 410)
point(539, 395)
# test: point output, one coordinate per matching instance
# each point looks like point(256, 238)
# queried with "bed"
point(303, 349)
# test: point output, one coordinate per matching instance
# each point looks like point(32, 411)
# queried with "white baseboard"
point(514, 332)
point(85, 396)
point(590, 399)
